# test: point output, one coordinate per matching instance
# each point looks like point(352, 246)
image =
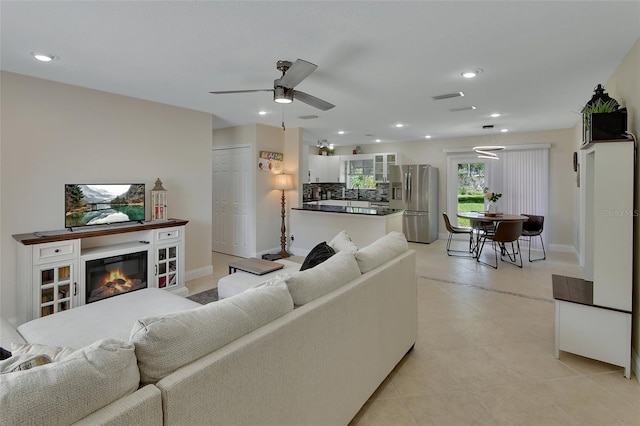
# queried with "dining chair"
point(505, 233)
point(458, 230)
point(533, 228)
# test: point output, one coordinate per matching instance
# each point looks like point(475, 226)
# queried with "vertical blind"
point(525, 182)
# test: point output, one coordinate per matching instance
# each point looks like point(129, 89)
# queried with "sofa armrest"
point(141, 408)
point(9, 335)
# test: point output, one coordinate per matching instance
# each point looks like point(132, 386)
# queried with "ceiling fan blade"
point(312, 100)
point(296, 73)
point(241, 91)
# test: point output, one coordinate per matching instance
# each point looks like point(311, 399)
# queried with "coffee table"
point(255, 266)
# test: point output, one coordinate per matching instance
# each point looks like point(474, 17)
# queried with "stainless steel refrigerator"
point(414, 188)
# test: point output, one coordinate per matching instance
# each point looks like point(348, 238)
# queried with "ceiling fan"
point(283, 92)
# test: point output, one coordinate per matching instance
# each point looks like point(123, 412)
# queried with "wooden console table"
point(51, 264)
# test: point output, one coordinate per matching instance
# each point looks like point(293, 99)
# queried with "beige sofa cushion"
point(382, 250)
point(310, 284)
point(167, 342)
point(64, 392)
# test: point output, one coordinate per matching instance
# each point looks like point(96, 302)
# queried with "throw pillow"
point(317, 255)
point(382, 250)
point(56, 353)
point(4, 354)
point(58, 393)
point(335, 272)
point(23, 362)
point(166, 342)
point(343, 242)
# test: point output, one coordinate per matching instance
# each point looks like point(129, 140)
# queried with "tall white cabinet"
point(593, 315)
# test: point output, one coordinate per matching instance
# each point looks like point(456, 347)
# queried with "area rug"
point(205, 297)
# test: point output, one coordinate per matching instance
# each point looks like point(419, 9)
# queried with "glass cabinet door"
point(167, 264)
point(56, 288)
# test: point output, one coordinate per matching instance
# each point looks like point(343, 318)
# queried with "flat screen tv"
point(86, 205)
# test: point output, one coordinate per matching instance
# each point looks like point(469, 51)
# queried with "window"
point(360, 174)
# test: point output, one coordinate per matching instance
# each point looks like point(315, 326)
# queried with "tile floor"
point(484, 354)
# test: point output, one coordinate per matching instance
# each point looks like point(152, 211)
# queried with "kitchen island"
point(313, 224)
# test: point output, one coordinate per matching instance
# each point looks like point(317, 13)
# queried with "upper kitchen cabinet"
point(324, 168)
point(381, 163)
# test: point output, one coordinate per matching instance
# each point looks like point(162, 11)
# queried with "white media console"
point(53, 266)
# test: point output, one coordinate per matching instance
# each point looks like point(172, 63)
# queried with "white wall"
point(55, 133)
point(559, 224)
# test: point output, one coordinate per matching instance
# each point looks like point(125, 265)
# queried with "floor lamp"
point(284, 182)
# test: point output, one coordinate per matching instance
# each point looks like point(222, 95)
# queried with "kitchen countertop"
point(371, 211)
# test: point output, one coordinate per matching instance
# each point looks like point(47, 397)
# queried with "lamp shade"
point(283, 182)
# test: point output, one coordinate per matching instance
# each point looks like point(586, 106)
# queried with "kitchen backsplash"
point(324, 191)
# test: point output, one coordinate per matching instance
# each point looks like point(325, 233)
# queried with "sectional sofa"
point(306, 347)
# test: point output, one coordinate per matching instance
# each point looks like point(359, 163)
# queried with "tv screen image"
point(103, 204)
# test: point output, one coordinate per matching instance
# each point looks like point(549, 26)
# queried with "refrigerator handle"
point(406, 189)
point(409, 187)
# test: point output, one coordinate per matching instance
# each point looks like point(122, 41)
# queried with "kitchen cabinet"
point(381, 164)
point(324, 168)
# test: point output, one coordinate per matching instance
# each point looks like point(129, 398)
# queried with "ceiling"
point(380, 63)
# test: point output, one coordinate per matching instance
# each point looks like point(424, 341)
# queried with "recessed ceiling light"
point(495, 115)
point(341, 132)
point(471, 73)
point(262, 112)
point(504, 130)
point(43, 57)
point(378, 140)
point(428, 137)
point(399, 125)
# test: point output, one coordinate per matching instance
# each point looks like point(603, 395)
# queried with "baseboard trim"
point(635, 364)
point(198, 273)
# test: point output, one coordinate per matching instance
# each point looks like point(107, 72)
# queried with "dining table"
point(485, 222)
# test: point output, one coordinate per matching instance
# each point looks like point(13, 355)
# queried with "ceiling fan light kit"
point(282, 95)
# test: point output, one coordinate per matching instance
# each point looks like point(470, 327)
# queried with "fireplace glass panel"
point(115, 275)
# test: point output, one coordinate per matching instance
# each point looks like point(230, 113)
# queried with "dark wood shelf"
point(576, 290)
point(34, 238)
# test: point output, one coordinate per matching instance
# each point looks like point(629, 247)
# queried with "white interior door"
point(232, 222)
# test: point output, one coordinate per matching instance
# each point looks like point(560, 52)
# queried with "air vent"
point(464, 108)
point(448, 96)
point(307, 117)
point(488, 126)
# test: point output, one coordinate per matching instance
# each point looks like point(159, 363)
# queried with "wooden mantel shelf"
point(99, 231)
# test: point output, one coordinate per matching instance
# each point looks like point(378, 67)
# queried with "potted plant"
point(601, 118)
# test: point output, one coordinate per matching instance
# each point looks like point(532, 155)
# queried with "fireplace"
point(115, 275)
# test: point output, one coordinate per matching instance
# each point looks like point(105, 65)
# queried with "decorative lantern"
point(158, 202)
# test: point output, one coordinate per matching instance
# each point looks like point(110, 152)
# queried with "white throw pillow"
point(56, 353)
point(165, 343)
point(64, 392)
point(382, 250)
point(343, 242)
point(310, 284)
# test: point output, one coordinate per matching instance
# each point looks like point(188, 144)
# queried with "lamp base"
point(284, 254)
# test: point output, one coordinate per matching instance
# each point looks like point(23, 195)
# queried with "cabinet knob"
point(56, 251)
